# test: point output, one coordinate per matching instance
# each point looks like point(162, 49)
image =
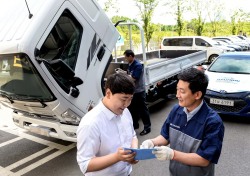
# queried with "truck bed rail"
point(169, 67)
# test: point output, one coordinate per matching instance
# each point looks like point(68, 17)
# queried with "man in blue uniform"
point(138, 108)
point(194, 131)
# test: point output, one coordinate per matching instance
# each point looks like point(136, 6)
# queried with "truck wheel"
point(211, 58)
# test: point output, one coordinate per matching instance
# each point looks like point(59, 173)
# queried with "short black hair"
point(197, 80)
point(129, 52)
point(120, 83)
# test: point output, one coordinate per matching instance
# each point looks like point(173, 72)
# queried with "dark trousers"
point(138, 109)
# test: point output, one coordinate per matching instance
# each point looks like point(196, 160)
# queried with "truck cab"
point(52, 53)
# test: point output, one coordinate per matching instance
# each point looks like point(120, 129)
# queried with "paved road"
point(23, 153)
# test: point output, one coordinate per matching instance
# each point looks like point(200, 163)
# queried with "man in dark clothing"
point(138, 108)
point(194, 131)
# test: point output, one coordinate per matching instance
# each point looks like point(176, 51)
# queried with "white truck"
point(55, 56)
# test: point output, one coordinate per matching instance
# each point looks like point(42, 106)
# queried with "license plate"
point(38, 130)
point(221, 102)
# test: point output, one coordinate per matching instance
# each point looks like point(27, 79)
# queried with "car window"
point(178, 42)
point(231, 64)
point(201, 42)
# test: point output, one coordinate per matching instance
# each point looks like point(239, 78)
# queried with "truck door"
point(67, 40)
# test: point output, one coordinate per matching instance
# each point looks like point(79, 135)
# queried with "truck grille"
point(239, 104)
point(37, 116)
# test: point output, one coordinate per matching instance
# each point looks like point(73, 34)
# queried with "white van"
point(193, 43)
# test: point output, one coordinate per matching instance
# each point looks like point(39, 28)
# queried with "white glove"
point(147, 144)
point(163, 153)
point(119, 70)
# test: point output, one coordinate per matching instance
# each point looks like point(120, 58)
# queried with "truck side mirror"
point(75, 91)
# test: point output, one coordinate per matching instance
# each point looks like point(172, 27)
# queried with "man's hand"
point(147, 144)
point(164, 153)
point(126, 156)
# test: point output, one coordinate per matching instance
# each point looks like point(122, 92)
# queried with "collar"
point(192, 113)
point(131, 62)
point(108, 113)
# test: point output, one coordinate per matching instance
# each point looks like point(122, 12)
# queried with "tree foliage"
point(206, 19)
point(214, 8)
point(177, 8)
point(110, 4)
point(146, 8)
point(198, 8)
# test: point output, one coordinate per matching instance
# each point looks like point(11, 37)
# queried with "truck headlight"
point(71, 117)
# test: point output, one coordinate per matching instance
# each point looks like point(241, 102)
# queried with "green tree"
point(238, 20)
point(233, 23)
point(177, 8)
point(215, 9)
point(110, 4)
point(180, 23)
point(198, 8)
point(146, 8)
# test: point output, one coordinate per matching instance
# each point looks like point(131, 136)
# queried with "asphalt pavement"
point(27, 154)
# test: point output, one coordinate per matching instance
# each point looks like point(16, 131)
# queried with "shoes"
point(144, 132)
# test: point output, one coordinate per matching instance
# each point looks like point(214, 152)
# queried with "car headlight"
point(71, 117)
point(208, 92)
point(248, 97)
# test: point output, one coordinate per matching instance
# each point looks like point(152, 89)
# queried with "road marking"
point(5, 172)
point(22, 135)
point(29, 158)
point(10, 141)
point(44, 160)
point(37, 139)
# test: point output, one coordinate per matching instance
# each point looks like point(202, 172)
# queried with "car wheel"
point(211, 58)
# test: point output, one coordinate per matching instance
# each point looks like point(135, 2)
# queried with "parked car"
point(228, 44)
point(193, 43)
point(228, 91)
point(242, 37)
point(241, 40)
point(244, 45)
point(223, 46)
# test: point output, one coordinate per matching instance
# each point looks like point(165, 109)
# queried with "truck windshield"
point(19, 80)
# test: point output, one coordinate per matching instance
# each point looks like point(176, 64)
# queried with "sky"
point(128, 8)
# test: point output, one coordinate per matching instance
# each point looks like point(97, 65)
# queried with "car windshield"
point(212, 42)
point(231, 64)
point(19, 80)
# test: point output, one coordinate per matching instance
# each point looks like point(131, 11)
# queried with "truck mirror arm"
point(117, 23)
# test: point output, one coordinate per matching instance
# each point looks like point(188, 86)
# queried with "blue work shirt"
point(136, 70)
point(202, 134)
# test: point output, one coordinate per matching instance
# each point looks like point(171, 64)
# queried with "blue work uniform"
point(202, 134)
point(135, 69)
point(138, 108)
